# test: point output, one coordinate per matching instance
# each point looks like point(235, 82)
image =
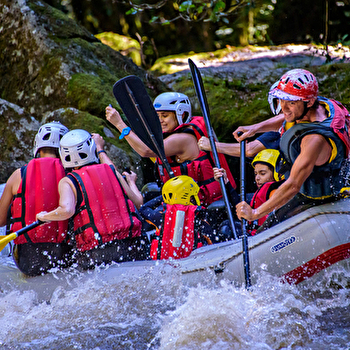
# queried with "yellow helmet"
point(269, 156)
point(179, 190)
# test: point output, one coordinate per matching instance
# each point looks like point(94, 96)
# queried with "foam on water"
point(153, 310)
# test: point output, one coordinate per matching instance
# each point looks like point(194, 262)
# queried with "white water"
point(153, 310)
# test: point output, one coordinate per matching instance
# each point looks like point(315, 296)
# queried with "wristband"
point(125, 132)
point(102, 151)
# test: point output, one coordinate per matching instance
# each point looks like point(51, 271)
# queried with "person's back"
point(183, 227)
point(35, 188)
point(104, 221)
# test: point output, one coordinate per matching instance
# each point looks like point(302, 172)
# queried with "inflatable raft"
point(294, 250)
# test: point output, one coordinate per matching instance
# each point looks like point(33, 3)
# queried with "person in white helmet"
point(96, 198)
point(268, 140)
point(32, 188)
point(315, 141)
point(181, 133)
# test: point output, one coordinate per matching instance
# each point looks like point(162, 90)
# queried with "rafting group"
point(87, 213)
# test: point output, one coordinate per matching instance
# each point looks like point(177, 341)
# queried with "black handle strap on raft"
point(246, 264)
point(199, 87)
point(137, 106)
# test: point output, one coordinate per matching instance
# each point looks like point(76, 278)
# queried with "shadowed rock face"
point(53, 69)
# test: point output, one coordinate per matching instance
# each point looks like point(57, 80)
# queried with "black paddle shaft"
point(244, 221)
point(199, 87)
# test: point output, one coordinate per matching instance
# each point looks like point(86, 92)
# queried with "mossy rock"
point(51, 65)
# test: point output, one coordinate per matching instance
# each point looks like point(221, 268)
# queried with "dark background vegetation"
point(170, 27)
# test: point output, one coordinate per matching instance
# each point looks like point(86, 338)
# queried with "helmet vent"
point(83, 155)
point(46, 136)
point(173, 102)
point(297, 86)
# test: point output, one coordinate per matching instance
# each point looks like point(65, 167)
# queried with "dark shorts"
point(35, 259)
point(129, 249)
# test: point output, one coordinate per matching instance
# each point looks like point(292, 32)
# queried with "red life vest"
point(105, 213)
point(38, 192)
point(176, 238)
point(260, 197)
point(200, 169)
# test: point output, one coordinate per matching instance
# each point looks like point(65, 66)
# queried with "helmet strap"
point(306, 110)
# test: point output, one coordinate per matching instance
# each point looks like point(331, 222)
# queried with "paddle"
point(137, 106)
point(6, 239)
point(199, 87)
point(244, 221)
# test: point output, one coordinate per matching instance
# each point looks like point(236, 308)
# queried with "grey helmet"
point(175, 102)
point(49, 135)
point(77, 148)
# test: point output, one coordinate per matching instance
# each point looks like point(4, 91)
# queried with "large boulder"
point(54, 69)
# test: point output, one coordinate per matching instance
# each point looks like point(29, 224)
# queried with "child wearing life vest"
point(183, 227)
point(267, 180)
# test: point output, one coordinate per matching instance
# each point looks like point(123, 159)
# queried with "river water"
point(154, 310)
point(151, 308)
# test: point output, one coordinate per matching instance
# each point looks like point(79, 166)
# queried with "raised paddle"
point(244, 221)
point(138, 108)
point(199, 87)
point(6, 239)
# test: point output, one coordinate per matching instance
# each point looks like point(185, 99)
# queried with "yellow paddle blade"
point(6, 239)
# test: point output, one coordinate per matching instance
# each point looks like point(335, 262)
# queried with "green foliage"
point(232, 103)
point(126, 46)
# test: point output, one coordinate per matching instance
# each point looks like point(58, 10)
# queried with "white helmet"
point(175, 102)
point(274, 102)
point(49, 135)
point(77, 148)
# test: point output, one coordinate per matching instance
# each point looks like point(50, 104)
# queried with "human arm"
point(10, 190)
point(113, 116)
point(218, 173)
point(131, 189)
point(315, 151)
point(182, 145)
point(67, 203)
point(232, 149)
point(102, 155)
point(272, 124)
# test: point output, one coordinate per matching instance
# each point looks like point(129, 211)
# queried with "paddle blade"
point(7, 239)
point(133, 99)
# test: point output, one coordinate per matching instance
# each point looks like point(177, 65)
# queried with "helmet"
point(49, 135)
point(179, 190)
point(77, 148)
point(176, 102)
point(269, 156)
point(274, 101)
point(295, 85)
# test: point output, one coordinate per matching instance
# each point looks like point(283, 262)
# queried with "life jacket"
point(177, 237)
point(38, 191)
point(200, 169)
point(105, 213)
point(260, 197)
point(325, 180)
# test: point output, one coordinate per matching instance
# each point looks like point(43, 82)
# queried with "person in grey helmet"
point(98, 201)
point(32, 188)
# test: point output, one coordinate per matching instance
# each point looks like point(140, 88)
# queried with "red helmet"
point(295, 85)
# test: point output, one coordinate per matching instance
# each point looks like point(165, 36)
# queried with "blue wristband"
point(125, 132)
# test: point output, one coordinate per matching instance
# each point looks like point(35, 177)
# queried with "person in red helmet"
point(315, 141)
